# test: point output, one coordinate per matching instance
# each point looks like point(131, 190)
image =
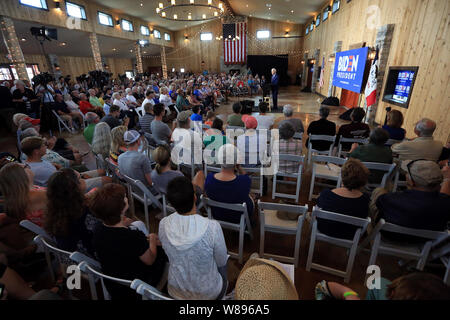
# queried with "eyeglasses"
point(409, 165)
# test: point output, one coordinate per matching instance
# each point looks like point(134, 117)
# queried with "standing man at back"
point(274, 83)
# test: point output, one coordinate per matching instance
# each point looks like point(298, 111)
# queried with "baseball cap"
point(251, 122)
point(131, 136)
point(184, 115)
point(423, 172)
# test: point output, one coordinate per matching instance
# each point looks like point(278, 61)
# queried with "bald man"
point(422, 147)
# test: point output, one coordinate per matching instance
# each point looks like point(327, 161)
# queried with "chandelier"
point(191, 10)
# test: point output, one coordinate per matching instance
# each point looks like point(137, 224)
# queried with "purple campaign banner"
point(349, 69)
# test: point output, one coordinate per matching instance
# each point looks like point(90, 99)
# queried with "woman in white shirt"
point(73, 107)
point(165, 99)
point(118, 102)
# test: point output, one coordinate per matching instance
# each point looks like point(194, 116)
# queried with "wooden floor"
point(306, 108)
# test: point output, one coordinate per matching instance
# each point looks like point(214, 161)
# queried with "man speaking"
point(274, 84)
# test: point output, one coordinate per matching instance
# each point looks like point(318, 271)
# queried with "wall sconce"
point(303, 62)
point(58, 5)
point(117, 22)
point(372, 53)
point(328, 8)
point(313, 61)
point(286, 34)
point(57, 68)
point(186, 37)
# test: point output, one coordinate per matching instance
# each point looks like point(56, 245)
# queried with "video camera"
point(42, 79)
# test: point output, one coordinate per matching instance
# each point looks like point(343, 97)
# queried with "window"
point(326, 12)
point(318, 20)
point(144, 43)
point(127, 25)
point(129, 74)
point(105, 19)
point(336, 5)
point(311, 27)
point(5, 74)
point(157, 34)
point(145, 31)
point(206, 36)
point(40, 4)
point(75, 10)
point(307, 30)
point(263, 34)
point(182, 70)
point(167, 36)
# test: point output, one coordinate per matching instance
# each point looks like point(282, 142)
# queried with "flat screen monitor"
point(400, 85)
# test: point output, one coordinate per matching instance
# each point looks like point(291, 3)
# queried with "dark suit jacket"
point(274, 82)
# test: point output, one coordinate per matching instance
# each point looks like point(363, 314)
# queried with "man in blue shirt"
point(196, 116)
point(274, 83)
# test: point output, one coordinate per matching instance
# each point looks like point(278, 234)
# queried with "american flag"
point(322, 73)
point(235, 43)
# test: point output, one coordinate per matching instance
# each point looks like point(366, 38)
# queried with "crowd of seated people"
point(85, 212)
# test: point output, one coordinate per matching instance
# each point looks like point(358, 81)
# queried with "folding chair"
point(312, 151)
point(348, 140)
point(165, 207)
point(62, 125)
point(391, 142)
point(298, 135)
point(387, 168)
point(147, 291)
point(269, 222)
point(419, 251)
point(140, 192)
point(93, 271)
point(326, 171)
point(244, 226)
point(441, 250)
point(259, 177)
point(397, 182)
point(84, 124)
point(140, 111)
point(296, 175)
point(316, 235)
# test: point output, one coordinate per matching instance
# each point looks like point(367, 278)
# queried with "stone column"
point(383, 41)
point(138, 52)
point(337, 48)
point(96, 51)
point(315, 75)
point(164, 62)
point(12, 44)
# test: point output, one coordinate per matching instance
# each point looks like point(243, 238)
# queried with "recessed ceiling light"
point(292, 11)
point(114, 49)
point(142, 4)
point(63, 43)
point(23, 39)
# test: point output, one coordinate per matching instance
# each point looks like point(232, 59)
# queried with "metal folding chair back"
point(147, 291)
point(243, 227)
point(349, 140)
point(312, 151)
point(270, 222)
point(295, 175)
point(331, 170)
point(352, 245)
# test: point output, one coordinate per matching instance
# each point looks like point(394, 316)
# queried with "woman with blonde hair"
point(22, 200)
point(118, 145)
point(394, 125)
point(101, 142)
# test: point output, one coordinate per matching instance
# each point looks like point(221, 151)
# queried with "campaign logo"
point(349, 69)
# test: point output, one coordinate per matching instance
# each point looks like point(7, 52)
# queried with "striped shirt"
point(293, 147)
point(145, 122)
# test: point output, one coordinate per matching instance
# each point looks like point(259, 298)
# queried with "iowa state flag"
point(371, 87)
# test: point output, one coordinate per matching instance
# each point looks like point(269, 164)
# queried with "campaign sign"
point(349, 69)
point(403, 86)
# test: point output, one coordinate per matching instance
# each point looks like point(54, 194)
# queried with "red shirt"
point(85, 106)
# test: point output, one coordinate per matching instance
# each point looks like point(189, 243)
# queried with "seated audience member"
point(35, 148)
point(354, 130)
point(264, 121)
point(94, 100)
point(230, 185)
point(132, 163)
point(86, 106)
point(235, 119)
point(192, 99)
point(22, 200)
point(160, 131)
point(196, 116)
point(289, 145)
point(63, 111)
point(118, 145)
point(422, 206)
point(215, 135)
point(375, 151)
point(131, 100)
point(187, 143)
point(71, 105)
point(413, 286)
point(92, 120)
point(149, 96)
point(348, 200)
point(252, 144)
point(163, 172)
point(422, 147)
point(166, 100)
point(107, 104)
point(322, 127)
point(146, 120)
point(101, 141)
point(195, 246)
point(263, 279)
point(123, 247)
point(210, 116)
point(181, 103)
point(112, 119)
point(296, 123)
point(394, 125)
point(67, 218)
